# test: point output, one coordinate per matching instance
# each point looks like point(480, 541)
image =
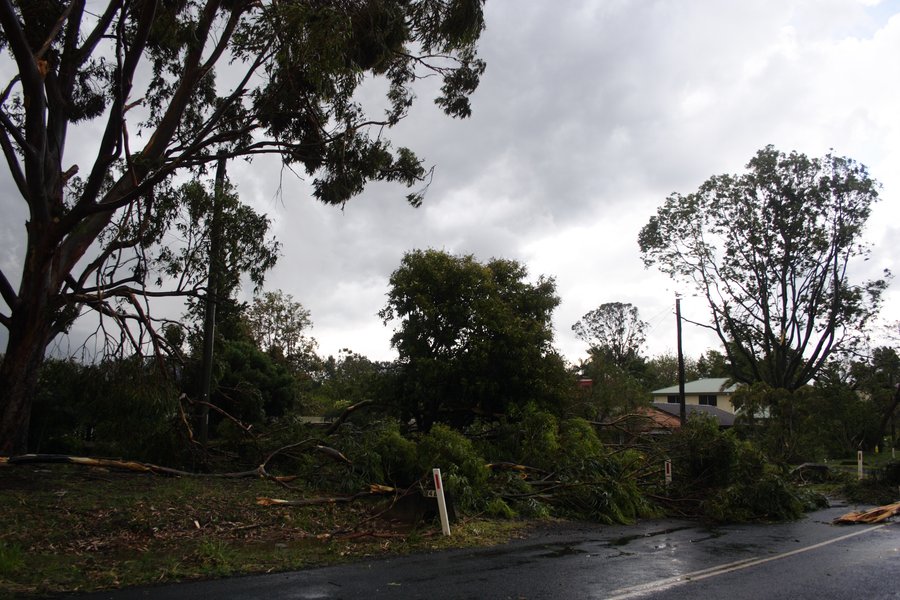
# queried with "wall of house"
point(723, 401)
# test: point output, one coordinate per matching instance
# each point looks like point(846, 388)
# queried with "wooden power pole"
point(682, 409)
point(212, 294)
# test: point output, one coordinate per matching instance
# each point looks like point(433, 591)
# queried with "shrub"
point(118, 408)
point(767, 498)
point(730, 477)
point(398, 458)
point(463, 470)
point(888, 473)
point(581, 478)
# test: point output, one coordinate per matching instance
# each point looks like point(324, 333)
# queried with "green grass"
point(12, 559)
point(844, 481)
point(66, 528)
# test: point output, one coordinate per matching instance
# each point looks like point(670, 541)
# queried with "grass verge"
point(67, 529)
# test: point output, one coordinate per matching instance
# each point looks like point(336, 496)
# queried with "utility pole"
point(212, 295)
point(682, 409)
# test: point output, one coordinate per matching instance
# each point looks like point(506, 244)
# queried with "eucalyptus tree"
point(278, 324)
point(142, 74)
point(773, 252)
point(615, 329)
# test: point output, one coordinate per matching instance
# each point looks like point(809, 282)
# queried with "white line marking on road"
point(638, 590)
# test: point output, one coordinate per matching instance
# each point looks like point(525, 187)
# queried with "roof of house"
point(712, 385)
point(725, 418)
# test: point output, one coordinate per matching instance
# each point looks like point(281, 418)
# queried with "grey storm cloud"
point(589, 114)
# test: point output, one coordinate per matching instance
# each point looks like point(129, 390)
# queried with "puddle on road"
point(561, 552)
point(713, 534)
point(624, 541)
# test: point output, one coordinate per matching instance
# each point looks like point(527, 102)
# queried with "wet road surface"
point(660, 559)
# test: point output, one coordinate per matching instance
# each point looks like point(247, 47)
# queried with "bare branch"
point(6, 290)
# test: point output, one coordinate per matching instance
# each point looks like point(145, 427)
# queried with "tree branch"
point(6, 290)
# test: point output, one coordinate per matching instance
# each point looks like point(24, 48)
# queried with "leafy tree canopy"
point(614, 390)
point(772, 251)
point(278, 325)
point(615, 329)
point(662, 371)
point(143, 73)
point(473, 338)
point(346, 380)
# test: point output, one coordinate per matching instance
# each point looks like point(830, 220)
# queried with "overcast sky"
point(590, 113)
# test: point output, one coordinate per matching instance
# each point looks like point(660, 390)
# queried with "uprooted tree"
point(142, 74)
point(773, 251)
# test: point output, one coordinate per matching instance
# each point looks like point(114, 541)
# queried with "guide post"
point(442, 502)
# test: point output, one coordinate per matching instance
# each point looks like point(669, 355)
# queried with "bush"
point(730, 477)
point(880, 488)
point(463, 470)
point(767, 498)
point(117, 408)
point(888, 474)
point(583, 480)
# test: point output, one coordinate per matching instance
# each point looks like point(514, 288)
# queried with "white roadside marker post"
point(442, 502)
point(859, 464)
point(668, 472)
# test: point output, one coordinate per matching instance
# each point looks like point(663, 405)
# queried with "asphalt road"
point(660, 559)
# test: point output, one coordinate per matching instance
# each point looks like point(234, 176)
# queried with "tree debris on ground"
point(873, 515)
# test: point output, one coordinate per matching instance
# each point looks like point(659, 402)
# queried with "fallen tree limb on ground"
point(874, 515)
point(122, 465)
point(141, 467)
point(374, 490)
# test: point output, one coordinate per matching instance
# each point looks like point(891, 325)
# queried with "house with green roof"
point(713, 391)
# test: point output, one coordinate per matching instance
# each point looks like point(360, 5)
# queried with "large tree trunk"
point(30, 325)
point(18, 383)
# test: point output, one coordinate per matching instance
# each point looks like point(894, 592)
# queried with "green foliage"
point(769, 250)
point(615, 329)
point(346, 380)
point(122, 408)
point(12, 559)
point(392, 459)
point(614, 389)
point(808, 424)
point(880, 486)
point(498, 508)
point(463, 470)
point(277, 325)
point(251, 386)
point(187, 212)
point(878, 378)
point(662, 371)
point(294, 71)
point(713, 364)
point(708, 458)
point(578, 477)
point(766, 498)
point(533, 440)
point(474, 339)
point(731, 478)
point(589, 482)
